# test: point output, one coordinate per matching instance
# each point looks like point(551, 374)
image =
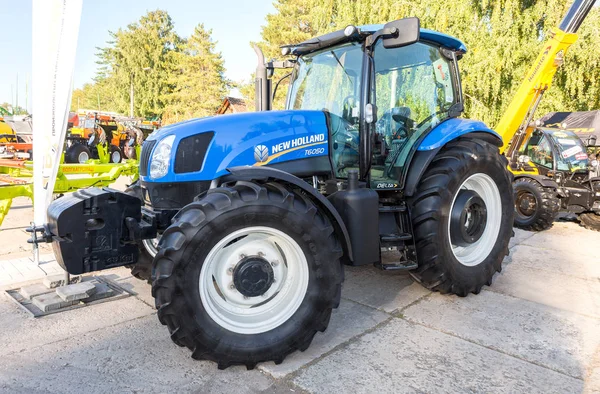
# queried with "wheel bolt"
point(242, 256)
point(261, 254)
point(230, 270)
point(232, 286)
point(274, 262)
point(246, 297)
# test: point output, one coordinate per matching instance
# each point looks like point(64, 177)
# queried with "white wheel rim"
point(151, 245)
point(116, 157)
point(254, 315)
point(486, 188)
point(83, 157)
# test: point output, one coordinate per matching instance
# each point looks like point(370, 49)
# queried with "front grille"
point(191, 151)
point(145, 156)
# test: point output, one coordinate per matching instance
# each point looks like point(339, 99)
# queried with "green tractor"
point(258, 212)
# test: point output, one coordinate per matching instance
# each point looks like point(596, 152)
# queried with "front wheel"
point(462, 215)
point(536, 206)
point(249, 273)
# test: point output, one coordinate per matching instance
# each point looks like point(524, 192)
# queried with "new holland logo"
point(261, 153)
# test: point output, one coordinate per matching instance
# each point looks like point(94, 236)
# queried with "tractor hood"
point(204, 148)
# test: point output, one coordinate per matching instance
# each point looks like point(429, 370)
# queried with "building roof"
point(236, 105)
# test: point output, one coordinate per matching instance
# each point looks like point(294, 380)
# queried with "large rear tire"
point(462, 216)
point(590, 220)
point(536, 206)
point(249, 273)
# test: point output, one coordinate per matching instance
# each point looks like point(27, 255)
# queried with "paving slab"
point(384, 290)
point(349, 320)
point(559, 340)
point(592, 384)
point(33, 290)
point(76, 291)
point(125, 357)
point(401, 357)
point(563, 262)
point(20, 331)
point(552, 289)
point(567, 237)
point(519, 237)
point(102, 290)
point(51, 302)
point(54, 281)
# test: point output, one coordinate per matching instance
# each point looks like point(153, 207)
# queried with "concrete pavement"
point(535, 330)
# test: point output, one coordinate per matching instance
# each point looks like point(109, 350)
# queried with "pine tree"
point(198, 80)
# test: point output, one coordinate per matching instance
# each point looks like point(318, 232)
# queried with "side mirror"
point(409, 31)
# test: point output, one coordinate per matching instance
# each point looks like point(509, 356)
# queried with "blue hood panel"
point(248, 139)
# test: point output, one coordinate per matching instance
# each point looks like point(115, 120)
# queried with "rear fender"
point(423, 157)
point(268, 173)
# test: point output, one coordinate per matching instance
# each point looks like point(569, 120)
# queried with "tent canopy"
point(585, 124)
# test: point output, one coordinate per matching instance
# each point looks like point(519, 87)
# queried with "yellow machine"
point(551, 169)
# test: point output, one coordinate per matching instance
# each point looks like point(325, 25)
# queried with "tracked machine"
point(243, 223)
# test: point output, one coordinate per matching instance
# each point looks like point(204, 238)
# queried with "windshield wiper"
point(337, 59)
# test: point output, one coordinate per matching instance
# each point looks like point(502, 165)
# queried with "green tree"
point(503, 38)
point(198, 80)
point(140, 54)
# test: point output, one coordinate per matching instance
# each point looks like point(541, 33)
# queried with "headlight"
point(161, 158)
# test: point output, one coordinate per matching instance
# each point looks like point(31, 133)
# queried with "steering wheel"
point(347, 106)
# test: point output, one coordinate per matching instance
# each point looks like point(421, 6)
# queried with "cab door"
point(414, 90)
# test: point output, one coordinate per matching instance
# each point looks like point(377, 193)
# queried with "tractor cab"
point(381, 96)
point(553, 150)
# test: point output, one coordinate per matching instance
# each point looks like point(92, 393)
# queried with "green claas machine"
point(257, 213)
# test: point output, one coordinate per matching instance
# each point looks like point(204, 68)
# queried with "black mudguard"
point(89, 229)
point(265, 173)
point(541, 179)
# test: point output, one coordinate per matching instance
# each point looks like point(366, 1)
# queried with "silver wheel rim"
point(116, 157)
point(83, 157)
point(254, 315)
point(151, 245)
point(478, 251)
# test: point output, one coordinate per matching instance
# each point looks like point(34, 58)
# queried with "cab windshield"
point(572, 153)
point(329, 80)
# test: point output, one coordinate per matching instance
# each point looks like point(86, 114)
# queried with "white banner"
point(55, 31)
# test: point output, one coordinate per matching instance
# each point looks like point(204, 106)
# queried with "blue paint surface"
point(286, 135)
point(451, 129)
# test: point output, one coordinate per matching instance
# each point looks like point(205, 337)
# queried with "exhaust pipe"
point(262, 96)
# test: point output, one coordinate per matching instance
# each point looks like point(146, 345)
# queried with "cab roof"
point(338, 37)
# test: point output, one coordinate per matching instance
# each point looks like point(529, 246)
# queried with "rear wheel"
point(77, 154)
point(462, 217)
point(590, 221)
point(536, 206)
point(249, 273)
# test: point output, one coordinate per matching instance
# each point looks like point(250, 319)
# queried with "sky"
point(234, 23)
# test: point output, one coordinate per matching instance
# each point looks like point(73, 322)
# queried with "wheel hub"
point(468, 218)
point(253, 276)
point(526, 204)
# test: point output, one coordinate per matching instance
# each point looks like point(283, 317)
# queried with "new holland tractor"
point(258, 212)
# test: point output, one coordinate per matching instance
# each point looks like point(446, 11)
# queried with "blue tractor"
point(257, 213)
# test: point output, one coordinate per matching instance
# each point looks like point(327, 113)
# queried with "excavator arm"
point(514, 123)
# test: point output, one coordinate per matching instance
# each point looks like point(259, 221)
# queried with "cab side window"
point(540, 151)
